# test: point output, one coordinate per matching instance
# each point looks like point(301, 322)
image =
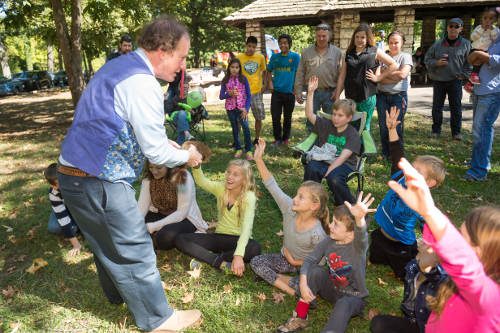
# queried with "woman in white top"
point(168, 203)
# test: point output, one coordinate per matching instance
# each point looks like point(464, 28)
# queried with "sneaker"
point(470, 178)
point(457, 137)
point(293, 324)
point(286, 142)
point(179, 320)
point(238, 153)
point(469, 87)
point(474, 78)
point(249, 156)
point(194, 264)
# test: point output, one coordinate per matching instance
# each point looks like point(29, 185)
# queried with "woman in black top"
point(362, 58)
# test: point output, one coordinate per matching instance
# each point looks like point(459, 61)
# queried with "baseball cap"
point(457, 21)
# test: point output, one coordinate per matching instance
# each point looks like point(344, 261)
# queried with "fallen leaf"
point(188, 297)
point(212, 225)
point(278, 297)
point(166, 267)
point(228, 289)
point(36, 265)
point(31, 233)
point(280, 233)
point(166, 287)
point(9, 292)
point(7, 228)
point(195, 273)
point(261, 296)
point(479, 199)
point(14, 327)
point(48, 253)
point(453, 190)
point(372, 313)
point(11, 269)
point(19, 258)
point(381, 282)
point(12, 239)
point(238, 301)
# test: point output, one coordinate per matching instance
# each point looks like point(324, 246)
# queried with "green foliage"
point(302, 35)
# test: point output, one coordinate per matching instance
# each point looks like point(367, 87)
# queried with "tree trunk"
point(4, 60)
point(60, 61)
point(70, 45)
point(50, 57)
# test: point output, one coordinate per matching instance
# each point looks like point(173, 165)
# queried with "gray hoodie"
point(457, 59)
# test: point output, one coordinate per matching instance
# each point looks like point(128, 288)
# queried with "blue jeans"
point(109, 218)
point(322, 100)
point(182, 125)
point(486, 110)
point(384, 103)
point(337, 179)
point(454, 91)
point(235, 120)
point(54, 228)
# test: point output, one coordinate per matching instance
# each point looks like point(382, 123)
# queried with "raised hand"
point(313, 84)
point(391, 118)
point(362, 206)
point(417, 194)
point(259, 149)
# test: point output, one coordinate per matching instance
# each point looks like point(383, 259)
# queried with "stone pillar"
point(256, 28)
point(404, 18)
point(467, 26)
point(428, 31)
point(336, 23)
point(349, 21)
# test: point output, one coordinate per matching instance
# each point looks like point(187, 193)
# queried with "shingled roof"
point(263, 10)
point(336, 5)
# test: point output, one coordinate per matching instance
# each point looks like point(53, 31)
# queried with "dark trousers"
point(452, 89)
point(214, 248)
point(344, 306)
point(337, 179)
point(384, 103)
point(388, 252)
point(164, 239)
point(282, 103)
point(393, 324)
point(109, 218)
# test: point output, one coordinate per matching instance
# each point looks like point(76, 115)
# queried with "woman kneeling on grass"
point(302, 227)
point(231, 244)
point(471, 257)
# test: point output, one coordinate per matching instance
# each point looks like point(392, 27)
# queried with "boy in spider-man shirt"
point(342, 280)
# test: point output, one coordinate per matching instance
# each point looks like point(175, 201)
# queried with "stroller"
point(193, 113)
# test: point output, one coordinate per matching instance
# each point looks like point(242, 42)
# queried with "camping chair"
point(195, 114)
point(367, 147)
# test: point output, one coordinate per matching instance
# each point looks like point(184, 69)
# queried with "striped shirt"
point(63, 215)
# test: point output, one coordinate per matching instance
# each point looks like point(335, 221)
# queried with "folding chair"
point(195, 114)
point(368, 147)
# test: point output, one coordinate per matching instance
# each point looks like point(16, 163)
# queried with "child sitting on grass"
point(394, 242)
point(60, 220)
point(303, 217)
point(423, 277)
point(342, 281)
point(231, 245)
point(470, 301)
point(338, 132)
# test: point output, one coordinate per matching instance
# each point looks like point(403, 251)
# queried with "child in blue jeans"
point(60, 220)
point(236, 91)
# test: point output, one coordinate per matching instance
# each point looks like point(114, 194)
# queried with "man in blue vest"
point(118, 123)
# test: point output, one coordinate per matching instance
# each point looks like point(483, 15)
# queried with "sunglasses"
point(453, 26)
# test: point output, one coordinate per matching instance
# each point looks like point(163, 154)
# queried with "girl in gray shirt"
point(302, 227)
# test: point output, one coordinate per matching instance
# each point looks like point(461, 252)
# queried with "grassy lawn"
point(65, 295)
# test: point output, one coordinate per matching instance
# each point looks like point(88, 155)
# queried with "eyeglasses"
point(453, 26)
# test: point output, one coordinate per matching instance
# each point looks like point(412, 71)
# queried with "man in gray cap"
point(447, 65)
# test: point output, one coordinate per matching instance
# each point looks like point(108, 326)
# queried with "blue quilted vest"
point(99, 141)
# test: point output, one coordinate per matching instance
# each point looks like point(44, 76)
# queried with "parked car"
point(33, 80)
point(60, 79)
point(10, 87)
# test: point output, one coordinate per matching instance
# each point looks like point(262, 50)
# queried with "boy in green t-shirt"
point(254, 69)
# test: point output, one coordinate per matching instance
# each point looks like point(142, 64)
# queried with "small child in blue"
point(60, 220)
point(423, 277)
point(394, 242)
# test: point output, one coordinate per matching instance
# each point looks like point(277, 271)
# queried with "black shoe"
point(255, 142)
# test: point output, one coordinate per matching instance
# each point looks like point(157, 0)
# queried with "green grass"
point(66, 296)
